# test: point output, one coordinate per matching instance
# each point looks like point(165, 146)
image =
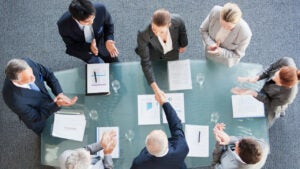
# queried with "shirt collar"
point(26, 86)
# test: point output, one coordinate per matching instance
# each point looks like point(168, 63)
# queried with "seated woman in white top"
point(225, 34)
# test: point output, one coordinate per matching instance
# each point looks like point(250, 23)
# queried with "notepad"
point(179, 73)
point(244, 106)
point(148, 110)
point(100, 131)
point(198, 140)
point(69, 126)
point(177, 102)
point(97, 78)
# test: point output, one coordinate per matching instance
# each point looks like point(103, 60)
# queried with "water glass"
point(116, 86)
point(129, 135)
point(200, 79)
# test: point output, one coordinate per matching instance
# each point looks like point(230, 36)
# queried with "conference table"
point(204, 105)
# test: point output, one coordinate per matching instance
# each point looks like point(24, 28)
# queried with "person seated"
point(84, 158)
point(279, 90)
point(25, 93)
point(237, 153)
point(161, 152)
point(225, 34)
point(163, 39)
point(88, 32)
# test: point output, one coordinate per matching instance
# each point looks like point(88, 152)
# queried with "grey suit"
point(96, 161)
point(276, 98)
point(234, 46)
point(150, 49)
point(225, 158)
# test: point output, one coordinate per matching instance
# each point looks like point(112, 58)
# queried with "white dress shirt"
point(168, 46)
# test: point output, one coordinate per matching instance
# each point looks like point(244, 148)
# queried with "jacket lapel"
point(154, 41)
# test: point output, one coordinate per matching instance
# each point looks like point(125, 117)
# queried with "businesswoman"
point(279, 90)
point(163, 39)
point(225, 34)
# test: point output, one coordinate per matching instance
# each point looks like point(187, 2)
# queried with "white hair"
point(157, 143)
point(75, 159)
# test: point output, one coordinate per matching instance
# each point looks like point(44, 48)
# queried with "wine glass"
point(116, 86)
point(200, 79)
point(93, 115)
point(214, 117)
point(129, 135)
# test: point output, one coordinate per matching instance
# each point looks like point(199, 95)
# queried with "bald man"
point(162, 152)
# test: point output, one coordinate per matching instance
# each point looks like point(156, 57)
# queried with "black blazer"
point(149, 48)
point(31, 106)
point(73, 36)
point(178, 148)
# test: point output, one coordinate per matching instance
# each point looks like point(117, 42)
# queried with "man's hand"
point(221, 137)
point(110, 46)
point(181, 50)
point(160, 97)
point(240, 91)
point(109, 141)
point(248, 79)
point(62, 100)
point(94, 48)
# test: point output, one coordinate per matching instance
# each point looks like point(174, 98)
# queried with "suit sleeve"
point(108, 162)
point(173, 121)
point(285, 61)
point(143, 51)
point(239, 52)
point(108, 27)
point(183, 40)
point(204, 29)
point(93, 148)
point(218, 151)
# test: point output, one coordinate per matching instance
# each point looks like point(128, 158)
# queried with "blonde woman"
point(225, 34)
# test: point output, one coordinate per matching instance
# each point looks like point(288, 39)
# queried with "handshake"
point(62, 100)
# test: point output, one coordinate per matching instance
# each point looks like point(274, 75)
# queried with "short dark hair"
point(161, 17)
point(289, 76)
point(81, 9)
point(14, 67)
point(250, 151)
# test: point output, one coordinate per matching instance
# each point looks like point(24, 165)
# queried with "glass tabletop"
point(205, 104)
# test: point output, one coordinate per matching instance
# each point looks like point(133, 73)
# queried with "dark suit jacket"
point(178, 148)
point(276, 98)
point(31, 106)
point(149, 48)
point(74, 39)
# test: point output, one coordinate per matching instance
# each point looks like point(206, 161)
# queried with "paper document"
point(148, 110)
point(116, 151)
point(198, 140)
point(177, 102)
point(246, 106)
point(69, 126)
point(179, 73)
point(97, 78)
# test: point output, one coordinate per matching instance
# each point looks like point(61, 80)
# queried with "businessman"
point(88, 32)
point(161, 152)
point(25, 93)
point(237, 153)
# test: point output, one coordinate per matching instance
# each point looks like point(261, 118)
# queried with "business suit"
point(178, 148)
point(73, 36)
point(149, 48)
point(276, 98)
point(226, 158)
point(33, 107)
point(234, 46)
point(97, 162)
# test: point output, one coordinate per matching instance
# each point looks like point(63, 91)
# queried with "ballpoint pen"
point(199, 137)
point(95, 76)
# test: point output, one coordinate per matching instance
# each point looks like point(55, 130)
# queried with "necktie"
point(34, 87)
point(88, 34)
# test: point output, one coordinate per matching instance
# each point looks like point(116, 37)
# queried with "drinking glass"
point(214, 117)
point(200, 79)
point(93, 115)
point(116, 86)
point(129, 135)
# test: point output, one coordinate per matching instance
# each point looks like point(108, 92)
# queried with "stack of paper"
point(97, 78)
point(177, 102)
point(198, 140)
point(179, 73)
point(148, 110)
point(100, 131)
point(246, 106)
point(69, 126)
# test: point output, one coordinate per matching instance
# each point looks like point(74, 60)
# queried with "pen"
point(95, 76)
point(199, 137)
